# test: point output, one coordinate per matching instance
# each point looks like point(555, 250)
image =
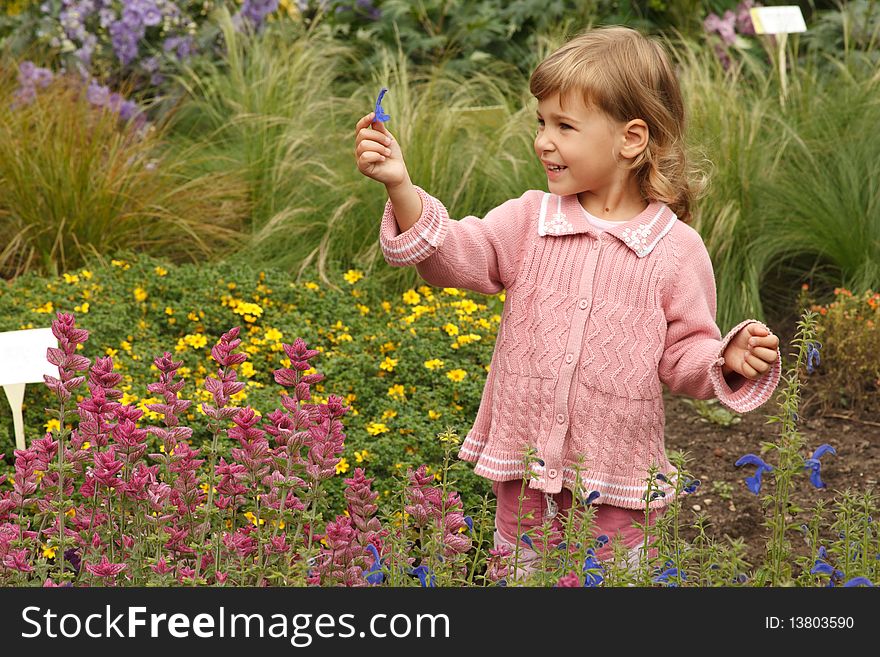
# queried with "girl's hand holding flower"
point(751, 352)
point(377, 152)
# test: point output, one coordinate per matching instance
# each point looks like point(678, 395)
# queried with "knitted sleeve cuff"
point(420, 241)
point(751, 394)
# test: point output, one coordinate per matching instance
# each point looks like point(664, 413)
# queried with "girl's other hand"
point(377, 152)
point(752, 351)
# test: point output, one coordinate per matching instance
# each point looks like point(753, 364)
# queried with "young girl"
point(609, 292)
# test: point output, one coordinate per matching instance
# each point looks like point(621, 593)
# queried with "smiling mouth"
point(555, 167)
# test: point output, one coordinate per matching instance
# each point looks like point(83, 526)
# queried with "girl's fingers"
point(368, 145)
point(754, 366)
point(375, 135)
point(371, 157)
point(765, 354)
point(364, 121)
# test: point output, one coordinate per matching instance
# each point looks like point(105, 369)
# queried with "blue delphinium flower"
point(380, 113)
point(601, 540)
point(592, 497)
point(527, 540)
point(374, 575)
point(813, 464)
point(813, 359)
point(669, 576)
point(822, 567)
point(858, 581)
point(422, 572)
point(690, 485)
point(592, 570)
point(754, 482)
point(470, 523)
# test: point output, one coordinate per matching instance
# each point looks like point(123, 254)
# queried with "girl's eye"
point(565, 126)
point(541, 122)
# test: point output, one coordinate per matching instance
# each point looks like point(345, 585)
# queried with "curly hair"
point(628, 76)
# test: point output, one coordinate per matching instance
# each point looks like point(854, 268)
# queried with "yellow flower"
point(433, 415)
point(161, 271)
point(502, 296)
point(411, 297)
point(169, 310)
point(86, 274)
point(70, 513)
point(361, 456)
point(253, 519)
point(342, 467)
point(71, 278)
point(49, 552)
point(434, 364)
point(451, 329)
point(363, 309)
point(397, 391)
point(388, 364)
point(388, 346)
point(386, 306)
point(47, 308)
point(467, 306)
point(451, 291)
point(389, 413)
point(352, 276)
point(196, 341)
point(120, 263)
point(274, 335)
point(375, 428)
point(127, 399)
point(456, 375)
point(140, 294)
point(84, 308)
point(246, 369)
point(312, 286)
point(86, 445)
point(53, 425)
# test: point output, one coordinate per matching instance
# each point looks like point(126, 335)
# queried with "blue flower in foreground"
point(527, 540)
point(422, 573)
point(601, 540)
point(470, 523)
point(754, 483)
point(858, 581)
point(669, 576)
point(813, 359)
point(380, 113)
point(593, 496)
point(690, 485)
point(592, 570)
point(813, 464)
point(822, 567)
point(374, 575)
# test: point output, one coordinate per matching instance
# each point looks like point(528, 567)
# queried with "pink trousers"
point(614, 522)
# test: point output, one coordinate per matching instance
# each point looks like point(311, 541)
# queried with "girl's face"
point(578, 146)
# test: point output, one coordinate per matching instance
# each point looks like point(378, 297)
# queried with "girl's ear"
point(635, 138)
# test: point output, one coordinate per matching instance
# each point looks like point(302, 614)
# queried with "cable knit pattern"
point(594, 324)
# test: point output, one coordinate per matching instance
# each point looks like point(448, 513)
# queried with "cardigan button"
point(552, 473)
point(595, 244)
point(560, 418)
point(582, 304)
point(568, 358)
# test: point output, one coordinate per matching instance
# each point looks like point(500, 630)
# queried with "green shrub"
point(848, 373)
point(75, 181)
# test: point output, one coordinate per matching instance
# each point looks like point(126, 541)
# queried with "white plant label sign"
point(22, 361)
point(778, 20)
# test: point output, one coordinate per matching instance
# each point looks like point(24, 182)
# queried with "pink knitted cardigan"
point(593, 323)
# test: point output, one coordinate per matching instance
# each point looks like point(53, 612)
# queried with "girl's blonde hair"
point(628, 76)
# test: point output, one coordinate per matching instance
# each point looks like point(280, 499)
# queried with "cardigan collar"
point(563, 215)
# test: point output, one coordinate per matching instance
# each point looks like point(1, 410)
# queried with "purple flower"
point(98, 95)
point(754, 482)
point(380, 113)
point(813, 359)
point(858, 581)
point(592, 569)
point(374, 575)
point(571, 580)
point(725, 27)
point(814, 466)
